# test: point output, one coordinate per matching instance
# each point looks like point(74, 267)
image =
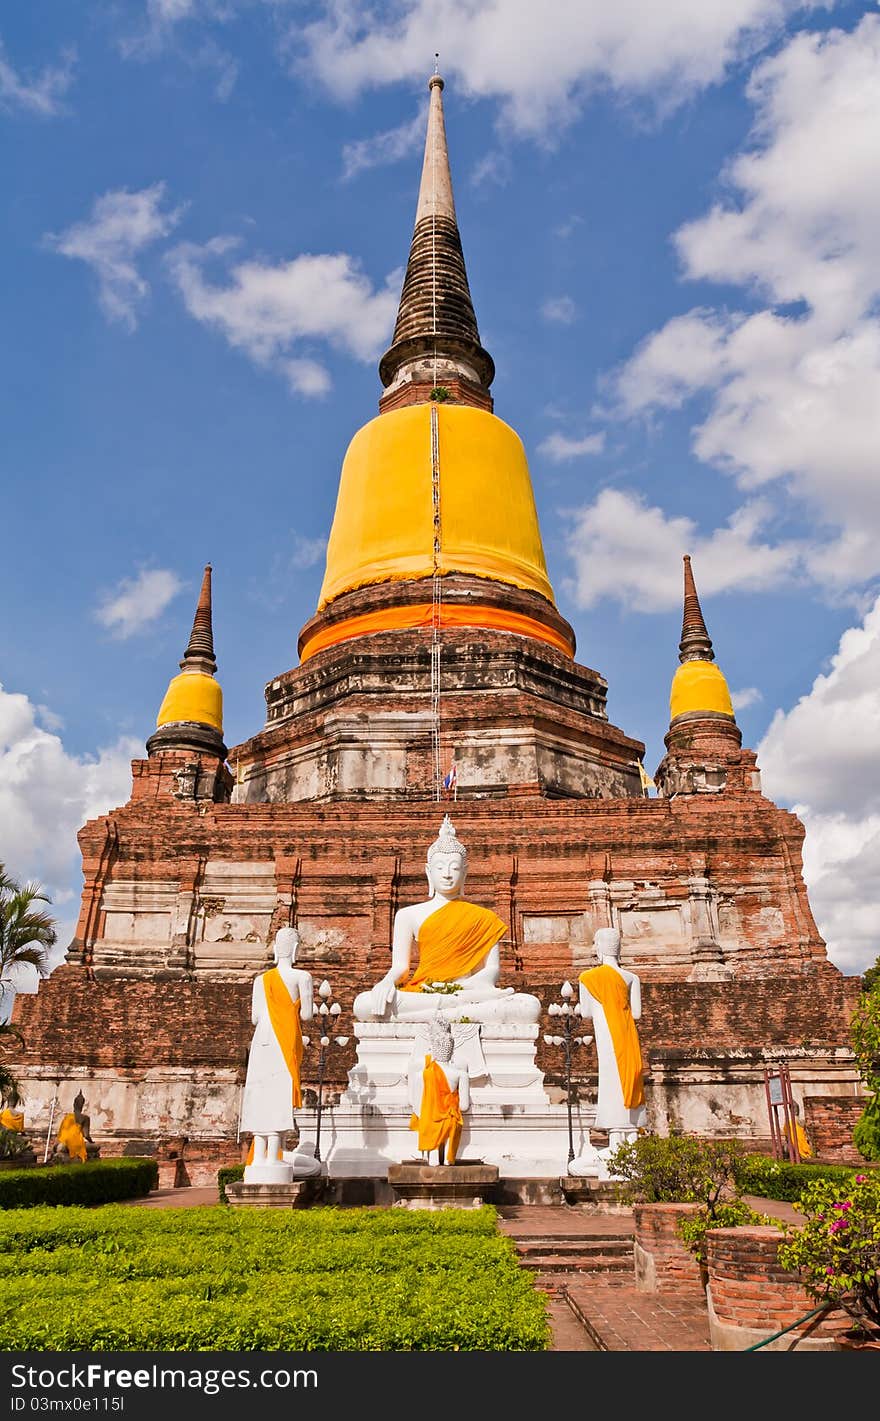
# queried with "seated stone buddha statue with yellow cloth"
point(456, 944)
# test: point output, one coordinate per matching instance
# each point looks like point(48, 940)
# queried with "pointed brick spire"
point(695, 644)
point(436, 328)
point(199, 654)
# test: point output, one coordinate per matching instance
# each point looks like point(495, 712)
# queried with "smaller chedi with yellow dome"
point(703, 742)
point(188, 738)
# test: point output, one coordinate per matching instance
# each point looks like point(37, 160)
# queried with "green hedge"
point(92, 1182)
point(230, 1174)
point(322, 1279)
point(780, 1179)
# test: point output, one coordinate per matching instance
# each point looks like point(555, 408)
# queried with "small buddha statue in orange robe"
point(439, 1094)
point(457, 949)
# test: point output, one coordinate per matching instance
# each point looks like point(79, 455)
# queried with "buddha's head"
point(286, 943)
point(441, 1039)
point(446, 864)
point(607, 943)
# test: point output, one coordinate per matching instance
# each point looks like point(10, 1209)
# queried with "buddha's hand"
point(383, 994)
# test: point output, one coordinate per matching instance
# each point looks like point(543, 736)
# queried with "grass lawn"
point(214, 1279)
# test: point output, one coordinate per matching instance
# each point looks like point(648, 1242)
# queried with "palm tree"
point(26, 934)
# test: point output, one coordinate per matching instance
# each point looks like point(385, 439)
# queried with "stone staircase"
point(556, 1243)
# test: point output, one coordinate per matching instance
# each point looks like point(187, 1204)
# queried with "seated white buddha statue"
point(456, 945)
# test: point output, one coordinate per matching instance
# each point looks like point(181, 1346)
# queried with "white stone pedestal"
point(511, 1122)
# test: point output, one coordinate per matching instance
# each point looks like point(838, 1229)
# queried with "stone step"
point(603, 1263)
point(575, 1247)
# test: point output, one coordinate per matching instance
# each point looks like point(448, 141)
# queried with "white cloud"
point(308, 377)
point(380, 148)
point(307, 552)
point(560, 309)
point(748, 696)
point(821, 758)
point(623, 548)
point(540, 61)
point(494, 167)
point(121, 225)
point(138, 601)
point(264, 309)
point(559, 447)
point(793, 394)
point(46, 794)
point(40, 95)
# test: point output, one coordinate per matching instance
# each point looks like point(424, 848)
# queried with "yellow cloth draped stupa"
point(699, 686)
point(611, 991)
point(12, 1120)
point(453, 942)
point(439, 1121)
point(383, 528)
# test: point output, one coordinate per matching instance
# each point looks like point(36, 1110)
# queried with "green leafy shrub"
point(321, 1279)
point(13, 1144)
point(780, 1179)
point(734, 1214)
point(229, 1174)
point(94, 1182)
point(676, 1169)
point(837, 1249)
point(866, 1134)
point(865, 1037)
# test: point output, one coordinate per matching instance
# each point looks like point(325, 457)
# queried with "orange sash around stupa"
point(454, 942)
point(439, 1120)
point(611, 991)
point(284, 1016)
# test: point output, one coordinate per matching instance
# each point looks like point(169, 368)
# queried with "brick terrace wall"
point(829, 1121)
point(663, 1263)
point(749, 1288)
point(770, 1012)
point(136, 1023)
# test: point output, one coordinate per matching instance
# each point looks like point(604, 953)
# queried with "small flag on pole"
point(646, 781)
point(450, 779)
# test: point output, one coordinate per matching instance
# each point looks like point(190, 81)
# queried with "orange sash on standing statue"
point(439, 1121)
point(611, 991)
point(284, 1016)
point(453, 942)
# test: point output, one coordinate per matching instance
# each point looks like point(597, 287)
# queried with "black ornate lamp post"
point(568, 1041)
point(328, 1014)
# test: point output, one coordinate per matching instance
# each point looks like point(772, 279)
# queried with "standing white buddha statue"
point(281, 1000)
point(610, 996)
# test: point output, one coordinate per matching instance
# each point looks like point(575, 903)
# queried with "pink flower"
point(861, 1179)
point(830, 1272)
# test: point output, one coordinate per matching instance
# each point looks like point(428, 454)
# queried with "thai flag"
point(450, 780)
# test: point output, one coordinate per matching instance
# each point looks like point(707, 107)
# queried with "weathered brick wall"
point(663, 1262)
point(773, 1012)
point(829, 1121)
point(750, 1289)
point(136, 1023)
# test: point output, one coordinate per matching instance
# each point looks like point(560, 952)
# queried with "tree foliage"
point(26, 934)
point(865, 1040)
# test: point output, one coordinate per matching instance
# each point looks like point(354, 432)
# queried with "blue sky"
point(669, 218)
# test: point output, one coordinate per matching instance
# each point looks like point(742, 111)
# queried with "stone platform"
point(511, 1124)
point(442, 1186)
point(296, 1195)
